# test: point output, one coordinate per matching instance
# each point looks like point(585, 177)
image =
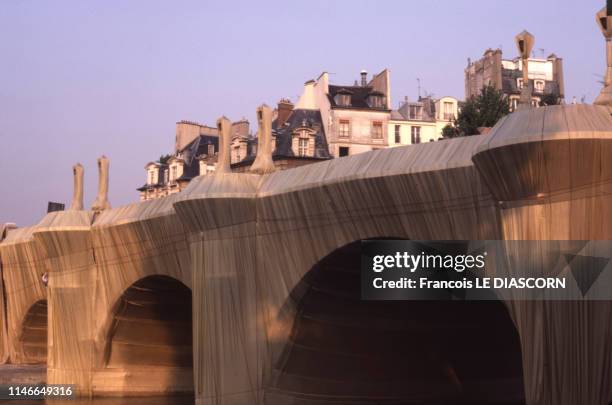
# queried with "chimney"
point(240, 128)
point(364, 78)
point(285, 108)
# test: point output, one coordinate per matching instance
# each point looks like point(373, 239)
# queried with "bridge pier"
point(228, 342)
point(551, 171)
point(65, 239)
point(23, 264)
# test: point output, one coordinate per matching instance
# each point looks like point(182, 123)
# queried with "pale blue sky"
point(83, 78)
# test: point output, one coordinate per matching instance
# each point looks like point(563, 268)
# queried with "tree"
point(483, 110)
point(449, 131)
point(550, 99)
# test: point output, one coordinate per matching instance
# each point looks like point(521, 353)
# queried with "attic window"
point(415, 112)
point(343, 98)
point(375, 100)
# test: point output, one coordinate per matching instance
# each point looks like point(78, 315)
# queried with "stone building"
point(195, 152)
point(545, 76)
point(355, 117)
point(421, 121)
point(298, 136)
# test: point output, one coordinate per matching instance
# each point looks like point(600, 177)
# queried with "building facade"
point(421, 121)
point(196, 148)
point(298, 137)
point(327, 121)
point(355, 117)
point(545, 76)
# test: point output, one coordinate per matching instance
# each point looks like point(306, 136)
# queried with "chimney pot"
point(364, 78)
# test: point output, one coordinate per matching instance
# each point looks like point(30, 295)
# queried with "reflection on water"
point(181, 400)
point(36, 374)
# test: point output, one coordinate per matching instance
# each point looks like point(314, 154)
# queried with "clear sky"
point(83, 78)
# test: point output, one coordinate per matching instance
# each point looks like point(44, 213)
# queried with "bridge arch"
point(33, 333)
point(344, 349)
point(150, 334)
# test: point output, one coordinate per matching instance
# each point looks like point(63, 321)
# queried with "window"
point(173, 173)
point(398, 138)
point(343, 151)
point(343, 99)
point(151, 177)
point(211, 149)
point(166, 176)
point(375, 101)
point(539, 86)
point(344, 129)
point(303, 147)
point(449, 113)
point(519, 83)
point(415, 134)
point(415, 112)
point(377, 130)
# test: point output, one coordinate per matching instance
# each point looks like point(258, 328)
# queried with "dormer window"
point(539, 86)
point(519, 83)
point(376, 100)
point(343, 98)
point(303, 142)
point(415, 112)
point(239, 149)
point(175, 167)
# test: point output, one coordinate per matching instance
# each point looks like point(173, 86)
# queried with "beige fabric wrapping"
point(64, 238)
point(4, 349)
point(22, 267)
point(244, 242)
point(564, 155)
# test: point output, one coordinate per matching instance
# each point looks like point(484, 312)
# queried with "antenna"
point(419, 84)
point(542, 51)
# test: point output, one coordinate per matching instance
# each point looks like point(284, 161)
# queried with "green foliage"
point(549, 99)
point(449, 131)
point(163, 159)
point(482, 111)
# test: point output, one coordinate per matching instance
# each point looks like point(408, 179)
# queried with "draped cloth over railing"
point(246, 244)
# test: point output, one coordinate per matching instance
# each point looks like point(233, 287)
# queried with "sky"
point(79, 79)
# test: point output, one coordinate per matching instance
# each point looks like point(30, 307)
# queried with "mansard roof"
point(359, 96)
point(299, 119)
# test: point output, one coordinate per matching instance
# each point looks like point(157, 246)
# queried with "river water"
point(36, 374)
